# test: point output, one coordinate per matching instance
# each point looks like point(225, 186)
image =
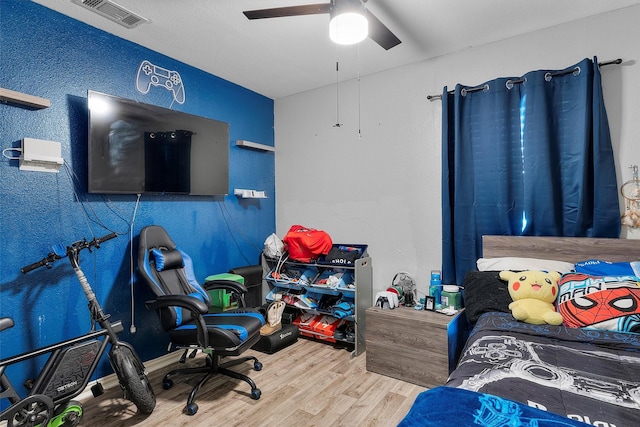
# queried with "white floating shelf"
point(11, 96)
point(254, 145)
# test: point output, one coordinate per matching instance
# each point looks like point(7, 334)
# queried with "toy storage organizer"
point(332, 296)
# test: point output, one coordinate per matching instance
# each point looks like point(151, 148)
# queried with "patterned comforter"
point(592, 376)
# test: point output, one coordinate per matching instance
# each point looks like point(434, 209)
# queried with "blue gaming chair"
point(183, 306)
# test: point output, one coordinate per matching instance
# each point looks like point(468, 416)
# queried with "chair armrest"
point(225, 284)
point(196, 306)
point(185, 301)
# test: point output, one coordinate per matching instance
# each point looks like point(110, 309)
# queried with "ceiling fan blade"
point(278, 12)
point(380, 34)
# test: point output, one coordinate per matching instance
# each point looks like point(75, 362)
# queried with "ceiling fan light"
point(348, 28)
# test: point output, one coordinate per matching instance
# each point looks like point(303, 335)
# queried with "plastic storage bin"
point(343, 254)
point(221, 298)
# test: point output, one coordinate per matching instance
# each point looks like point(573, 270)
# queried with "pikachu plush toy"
point(533, 293)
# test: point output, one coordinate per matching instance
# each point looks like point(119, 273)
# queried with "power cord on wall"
point(6, 150)
point(95, 219)
point(223, 210)
point(89, 214)
point(133, 328)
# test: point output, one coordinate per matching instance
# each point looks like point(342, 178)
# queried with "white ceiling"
point(282, 56)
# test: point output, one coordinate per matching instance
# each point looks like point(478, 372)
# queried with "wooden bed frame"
point(568, 249)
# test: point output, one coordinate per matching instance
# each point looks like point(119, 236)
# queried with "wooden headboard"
point(568, 249)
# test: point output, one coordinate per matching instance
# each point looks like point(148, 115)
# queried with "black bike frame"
point(55, 351)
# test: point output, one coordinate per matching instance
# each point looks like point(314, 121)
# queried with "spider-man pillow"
point(600, 302)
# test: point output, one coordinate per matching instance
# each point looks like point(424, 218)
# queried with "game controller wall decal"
point(154, 75)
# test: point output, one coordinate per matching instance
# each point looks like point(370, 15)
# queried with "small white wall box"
point(40, 155)
point(250, 194)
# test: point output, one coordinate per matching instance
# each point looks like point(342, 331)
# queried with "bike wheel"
point(67, 415)
point(133, 379)
point(31, 411)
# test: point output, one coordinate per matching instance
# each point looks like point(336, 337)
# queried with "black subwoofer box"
point(252, 275)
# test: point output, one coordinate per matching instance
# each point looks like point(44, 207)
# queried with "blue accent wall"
point(47, 54)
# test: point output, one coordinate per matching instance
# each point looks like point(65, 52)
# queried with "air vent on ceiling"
point(112, 11)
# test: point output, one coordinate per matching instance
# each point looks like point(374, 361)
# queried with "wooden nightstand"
point(417, 346)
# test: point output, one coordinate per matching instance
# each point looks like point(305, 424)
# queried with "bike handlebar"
point(72, 249)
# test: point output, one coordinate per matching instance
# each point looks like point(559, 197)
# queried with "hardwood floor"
point(306, 384)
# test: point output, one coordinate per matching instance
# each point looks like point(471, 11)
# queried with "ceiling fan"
point(377, 31)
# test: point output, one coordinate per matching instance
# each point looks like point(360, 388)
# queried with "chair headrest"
point(167, 259)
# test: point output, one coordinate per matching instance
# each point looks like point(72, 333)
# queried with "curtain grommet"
point(510, 83)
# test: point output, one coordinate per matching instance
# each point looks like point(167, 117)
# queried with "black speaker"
point(252, 275)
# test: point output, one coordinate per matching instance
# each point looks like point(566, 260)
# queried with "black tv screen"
point(137, 148)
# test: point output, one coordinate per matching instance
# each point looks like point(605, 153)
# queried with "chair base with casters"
point(212, 368)
point(183, 306)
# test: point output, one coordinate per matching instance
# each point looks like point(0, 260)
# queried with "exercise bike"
point(72, 362)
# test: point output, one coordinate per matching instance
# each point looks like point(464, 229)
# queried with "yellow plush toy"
point(533, 293)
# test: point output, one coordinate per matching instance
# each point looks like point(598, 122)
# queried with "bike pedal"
point(97, 390)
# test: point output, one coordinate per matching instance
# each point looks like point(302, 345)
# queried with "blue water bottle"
point(435, 287)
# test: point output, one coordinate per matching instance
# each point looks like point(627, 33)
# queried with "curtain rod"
point(474, 89)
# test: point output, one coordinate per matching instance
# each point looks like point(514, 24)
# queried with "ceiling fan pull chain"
point(338, 124)
point(359, 97)
point(359, 109)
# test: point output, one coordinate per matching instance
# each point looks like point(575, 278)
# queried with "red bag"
point(305, 244)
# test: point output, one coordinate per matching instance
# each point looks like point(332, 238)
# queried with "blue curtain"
point(525, 156)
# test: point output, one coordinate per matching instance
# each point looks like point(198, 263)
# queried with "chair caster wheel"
point(190, 409)
point(167, 384)
point(257, 366)
point(256, 393)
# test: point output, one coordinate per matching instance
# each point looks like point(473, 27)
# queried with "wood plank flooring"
point(309, 383)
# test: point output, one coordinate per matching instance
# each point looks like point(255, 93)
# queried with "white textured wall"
point(382, 188)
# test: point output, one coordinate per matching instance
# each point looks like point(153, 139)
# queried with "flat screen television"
point(137, 148)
